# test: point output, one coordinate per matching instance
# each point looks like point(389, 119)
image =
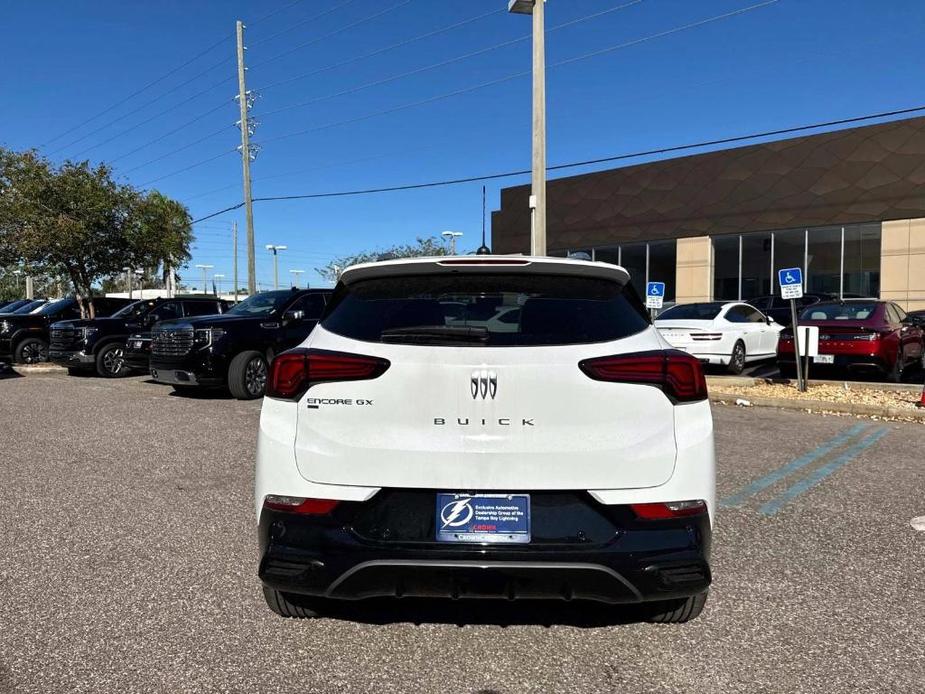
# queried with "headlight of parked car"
point(86, 332)
point(4, 327)
point(205, 337)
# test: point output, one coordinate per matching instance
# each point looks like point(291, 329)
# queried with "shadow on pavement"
point(6, 371)
point(419, 611)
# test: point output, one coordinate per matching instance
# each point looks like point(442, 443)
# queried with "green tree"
point(427, 247)
point(76, 220)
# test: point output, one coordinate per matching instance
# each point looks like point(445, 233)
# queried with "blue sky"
point(789, 63)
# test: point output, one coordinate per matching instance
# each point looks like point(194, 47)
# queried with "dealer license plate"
point(496, 518)
point(824, 359)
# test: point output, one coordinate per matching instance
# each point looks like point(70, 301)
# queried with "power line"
point(180, 149)
point(444, 63)
point(275, 12)
point(159, 138)
point(190, 167)
point(381, 51)
point(333, 33)
point(313, 18)
point(139, 91)
point(156, 100)
point(587, 162)
point(524, 73)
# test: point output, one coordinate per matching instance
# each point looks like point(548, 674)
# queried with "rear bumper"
point(370, 549)
point(857, 362)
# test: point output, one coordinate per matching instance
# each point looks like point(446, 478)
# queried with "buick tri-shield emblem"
point(483, 384)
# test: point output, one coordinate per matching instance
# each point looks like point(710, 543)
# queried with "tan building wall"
point(902, 263)
point(694, 270)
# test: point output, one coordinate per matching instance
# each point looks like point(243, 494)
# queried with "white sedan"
point(729, 334)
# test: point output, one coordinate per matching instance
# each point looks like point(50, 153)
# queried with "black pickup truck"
point(235, 348)
point(99, 344)
point(25, 337)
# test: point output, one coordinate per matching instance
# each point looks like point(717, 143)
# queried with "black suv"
point(99, 344)
point(24, 337)
point(234, 349)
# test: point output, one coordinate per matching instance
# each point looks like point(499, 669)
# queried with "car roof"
point(488, 264)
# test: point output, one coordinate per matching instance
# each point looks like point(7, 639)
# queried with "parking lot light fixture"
point(275, 249)
point(451, 236)
point(295, 280)
point(204, 268)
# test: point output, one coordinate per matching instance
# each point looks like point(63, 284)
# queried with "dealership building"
point(848, 207)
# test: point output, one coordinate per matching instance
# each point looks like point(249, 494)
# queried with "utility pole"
point(244, 103)
point(234, 245)
point(538, 197)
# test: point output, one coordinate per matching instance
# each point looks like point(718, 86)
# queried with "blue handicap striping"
point(816, 476)
point(780, 473)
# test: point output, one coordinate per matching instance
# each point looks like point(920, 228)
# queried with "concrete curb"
point(740, 381)
point(36, 369)
point(819, 406)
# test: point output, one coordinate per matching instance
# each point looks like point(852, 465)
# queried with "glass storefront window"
point(634, 260)
point(823, 274)
point(663, 261)
point(756, 265)
point(789, 251)
point(862, 260)
point(726, 267)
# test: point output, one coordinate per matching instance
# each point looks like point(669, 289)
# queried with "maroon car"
point(860, 334)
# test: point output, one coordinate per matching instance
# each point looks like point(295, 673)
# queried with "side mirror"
point(293, 316)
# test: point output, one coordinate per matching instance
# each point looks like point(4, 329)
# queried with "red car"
point(860, 334)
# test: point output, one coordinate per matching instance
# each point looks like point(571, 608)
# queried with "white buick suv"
point(486, 427)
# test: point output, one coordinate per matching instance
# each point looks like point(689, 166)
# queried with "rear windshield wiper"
point(436, 334)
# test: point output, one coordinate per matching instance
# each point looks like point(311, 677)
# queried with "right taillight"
point(669, 509)
point(294, 372)
point(677, 373)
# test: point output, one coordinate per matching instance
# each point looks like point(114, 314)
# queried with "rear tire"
point(895, 374)
point(737, 359)
point(292, 607)
point(677, 611)
point(110, 361)
point(247, 375)
point(32, 350)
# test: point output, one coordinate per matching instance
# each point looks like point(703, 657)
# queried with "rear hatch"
point(487, 395)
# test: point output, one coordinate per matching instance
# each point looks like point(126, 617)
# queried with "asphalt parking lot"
point(128, 565)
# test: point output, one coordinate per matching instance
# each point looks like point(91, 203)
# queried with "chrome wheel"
point(114, 360)
point(737, 360)
point(255, 376)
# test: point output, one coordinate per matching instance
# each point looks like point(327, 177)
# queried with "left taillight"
point(669, 509)
point(678, 374)
point(300, 504)
point(294, 372)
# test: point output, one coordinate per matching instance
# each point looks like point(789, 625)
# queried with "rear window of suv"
point(485, 310)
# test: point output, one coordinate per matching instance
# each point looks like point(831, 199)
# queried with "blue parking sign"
point(791, 282)
point(655, 294)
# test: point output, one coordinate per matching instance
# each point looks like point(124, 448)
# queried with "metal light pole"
point(204, 268)
point(274, 249)
point(217, 281)
point(295, 282)
point(538, 198)
point(451, 236)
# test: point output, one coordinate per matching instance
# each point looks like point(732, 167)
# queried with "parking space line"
point(780, 473)
point(816, 476)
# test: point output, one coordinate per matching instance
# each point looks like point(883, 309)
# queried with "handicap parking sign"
point(655, 294)
point(791, 282)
